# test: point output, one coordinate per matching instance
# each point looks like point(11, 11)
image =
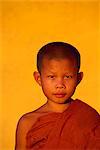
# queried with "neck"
point(56, 107)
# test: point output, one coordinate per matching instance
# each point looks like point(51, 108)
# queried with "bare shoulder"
point(28, 119)
point(24, 125)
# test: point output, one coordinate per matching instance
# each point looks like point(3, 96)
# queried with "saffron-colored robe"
point(77, 128)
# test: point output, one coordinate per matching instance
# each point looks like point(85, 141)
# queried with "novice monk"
point(62, 123)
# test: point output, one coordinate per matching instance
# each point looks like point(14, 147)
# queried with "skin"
point(58, 80)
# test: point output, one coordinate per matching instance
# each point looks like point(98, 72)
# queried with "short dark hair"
point(58, 50)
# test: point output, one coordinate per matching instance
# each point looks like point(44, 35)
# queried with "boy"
point(62, 123)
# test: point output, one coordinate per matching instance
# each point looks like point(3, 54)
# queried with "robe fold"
point(77, 128)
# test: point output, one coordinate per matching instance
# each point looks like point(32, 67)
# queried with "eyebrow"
point(55, 72)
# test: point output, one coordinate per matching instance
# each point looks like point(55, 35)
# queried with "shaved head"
point(58, 50)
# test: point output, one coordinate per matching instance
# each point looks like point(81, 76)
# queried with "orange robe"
point(77, 128)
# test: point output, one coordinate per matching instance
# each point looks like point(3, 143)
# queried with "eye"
point(51, 76)
point(68, 77)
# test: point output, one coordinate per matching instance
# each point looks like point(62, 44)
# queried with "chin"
point(61, 101)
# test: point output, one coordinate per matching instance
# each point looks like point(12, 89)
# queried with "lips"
point(60, 95)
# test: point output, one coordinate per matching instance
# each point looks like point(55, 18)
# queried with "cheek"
point(46, 88)
point(72, 84)
point(45, 82)
point(46, 85)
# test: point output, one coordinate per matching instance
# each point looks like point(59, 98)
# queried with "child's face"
point(58, 79)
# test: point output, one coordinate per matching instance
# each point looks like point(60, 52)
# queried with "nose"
point(60, 84)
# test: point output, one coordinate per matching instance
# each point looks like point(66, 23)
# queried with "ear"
point(37, 77)
point(79, 77)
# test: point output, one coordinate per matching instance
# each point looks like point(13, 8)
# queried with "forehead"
point(59, 65)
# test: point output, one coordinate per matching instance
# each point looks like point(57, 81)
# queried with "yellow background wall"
point(28, 25)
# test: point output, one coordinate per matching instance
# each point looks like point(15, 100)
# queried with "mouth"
point(60, 95)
